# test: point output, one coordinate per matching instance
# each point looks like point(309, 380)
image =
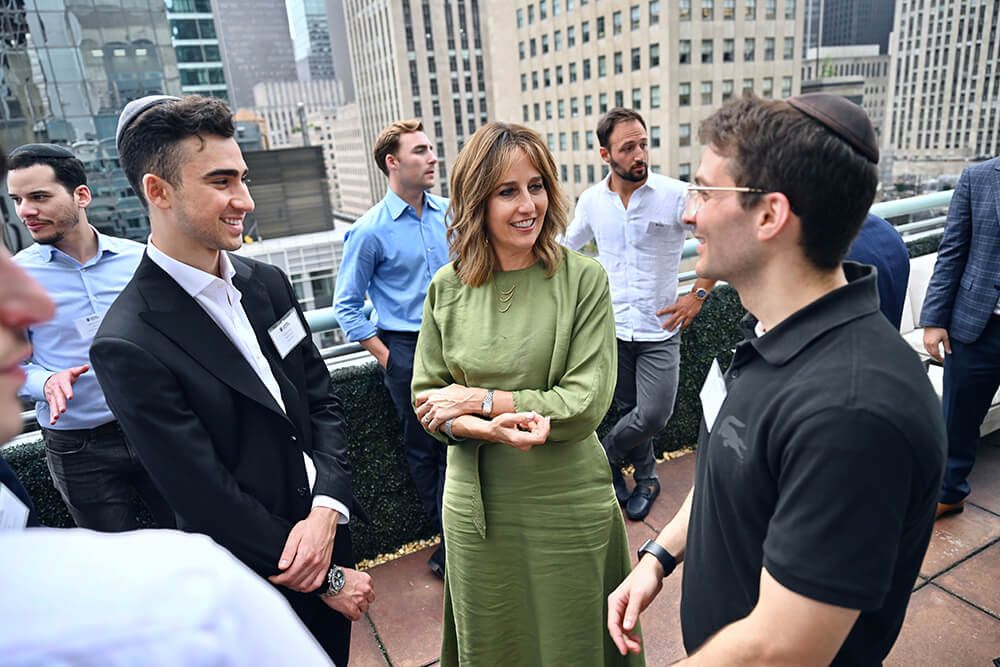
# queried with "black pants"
point(95, 471)
point(426, 456)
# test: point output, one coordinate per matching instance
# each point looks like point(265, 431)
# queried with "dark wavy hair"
point(150, 144)
point(777, 148)
point(70, 172)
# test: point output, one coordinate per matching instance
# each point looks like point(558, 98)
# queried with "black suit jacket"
point(221, 450)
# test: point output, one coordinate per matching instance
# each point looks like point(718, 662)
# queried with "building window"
point(684, 134)
point(788, 52)
point(537, 109)
point(520, 49)
point(555, 7)
point(684, 52)
point(616, 23)
point(559, 74)
point(590, 173)
point(636, 59)
point(767, 87)
point(634, 17)
point(577, 173)
point(531, 14)
point(749, 49)
point(602, 103)
point(707, 47)
point(561, 107)
point(600, 27)
point(557, 40)
point(533, 47)
point(574, 107)
point(654, 55)
point(562, 141)
point(602, 66)
point(524, 113)
point(586, 69)
point(545, 44)
point(636, 98)
point(543, 10)
point(685, 9)
point(589, 142)
point(728, 50)
point(770, 9)
point(654, 97)
point(520, 18)
point(706, 93)
point(588, 105)
point(727, 90)
point(619, 98)
point(654, 136)
point(750, 10)
point(571, 37)
point(548, 110)
point(768, 48)
point(684, 95)
point(524, 85)
point(786, 87)
point(729, 9)
point(619, 68)
point(546, 77)
point(707, 10)
point(789, 9)
point(747, 85)
point(585, 32)
point(684, 171)
point(534, 80)
point(564, 173)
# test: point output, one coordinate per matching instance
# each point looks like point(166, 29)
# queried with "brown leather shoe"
point(944, 509)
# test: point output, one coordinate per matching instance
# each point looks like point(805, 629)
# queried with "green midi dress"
point(536, 540)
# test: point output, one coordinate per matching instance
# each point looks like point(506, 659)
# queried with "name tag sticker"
point(287, 332)
point(13, 513)
point(87, 326)
point(713, 394)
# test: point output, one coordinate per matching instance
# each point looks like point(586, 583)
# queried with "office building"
point(420, 59)
point(313, 56)
point(859, 73)
point(290, 193)
point(568, 61)
point(353, 194)
point(848, 23)
point(255, 45)
point(278, 102)
point(196, 45)
point(340, 53)
point(944, 85)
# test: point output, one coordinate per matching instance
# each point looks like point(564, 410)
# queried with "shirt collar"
point(397, 205)
point(859, 297)
point(650, 182)
point(192, 280)
point(104, 244)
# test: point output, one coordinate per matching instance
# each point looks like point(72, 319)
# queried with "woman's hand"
point(436, 406)
point(521, 430)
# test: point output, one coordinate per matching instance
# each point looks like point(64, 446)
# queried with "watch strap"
point(447, 430)
point(659, 553)
point(487, 407)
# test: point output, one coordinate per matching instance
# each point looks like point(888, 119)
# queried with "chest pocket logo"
point(730, 438)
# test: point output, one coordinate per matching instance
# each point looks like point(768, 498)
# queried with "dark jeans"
point(426, 456)
point(96, 472)
point(971, 378)
point(644, 394)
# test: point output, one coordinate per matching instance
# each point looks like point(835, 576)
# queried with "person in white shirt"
point(634, 215)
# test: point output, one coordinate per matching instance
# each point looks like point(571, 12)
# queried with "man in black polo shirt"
point(822, 448)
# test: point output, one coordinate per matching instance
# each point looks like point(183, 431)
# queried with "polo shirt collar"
point(859, 297)
point(397, 205)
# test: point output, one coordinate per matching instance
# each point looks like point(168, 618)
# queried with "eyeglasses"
point(695, 197)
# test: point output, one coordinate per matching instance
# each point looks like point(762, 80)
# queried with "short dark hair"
point(69, 171)
point(387, 142)
point(149, 145)
point(606, 125)
point(774, 147)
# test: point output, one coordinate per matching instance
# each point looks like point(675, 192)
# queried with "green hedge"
point(381, 477)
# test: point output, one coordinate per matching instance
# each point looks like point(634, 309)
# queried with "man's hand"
point(682, 312)
point(305, 559)
point(354, 598)
point(521, 430)
point(436, 406)
point(59, 388)
point(378, 349)
point(933, 338)
point(628, 600)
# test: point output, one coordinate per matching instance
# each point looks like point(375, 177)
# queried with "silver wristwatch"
point(334, 582)
point(488, 403)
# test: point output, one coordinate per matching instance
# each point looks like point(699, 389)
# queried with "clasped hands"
point(305, 560)
point(521, 430)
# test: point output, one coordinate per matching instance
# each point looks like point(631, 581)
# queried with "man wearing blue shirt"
point(391, 253)
point(92, 465)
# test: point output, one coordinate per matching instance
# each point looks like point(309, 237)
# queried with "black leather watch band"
point(659, 553)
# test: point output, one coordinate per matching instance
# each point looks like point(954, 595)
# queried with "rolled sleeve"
point(353, 279)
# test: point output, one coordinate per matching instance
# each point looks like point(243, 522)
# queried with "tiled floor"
point(953, 618)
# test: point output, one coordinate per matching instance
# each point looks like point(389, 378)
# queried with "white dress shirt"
point(149, 598)
point(640, 248)
point(220, 299)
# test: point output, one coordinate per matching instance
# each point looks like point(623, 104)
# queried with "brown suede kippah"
point(842, 117)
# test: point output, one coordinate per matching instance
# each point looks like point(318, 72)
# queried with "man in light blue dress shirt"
point(391, 253)
point(91, 463)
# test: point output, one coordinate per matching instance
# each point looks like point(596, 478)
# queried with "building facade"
point(859, 73)
point(569, 61)
point(944, 84)
point(420, 59)
point(353, 193)
point(313, 56)
point(255, 46)
point(278, 103)
point(848, 23)
point(196, 46)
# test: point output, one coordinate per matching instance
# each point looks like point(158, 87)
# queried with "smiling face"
point(728, 242)
point(414, 162)
point(515, 213)
point(23, 303)
point(47, 209)
point(628, 151)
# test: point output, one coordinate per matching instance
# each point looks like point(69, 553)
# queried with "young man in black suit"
point(206, 361)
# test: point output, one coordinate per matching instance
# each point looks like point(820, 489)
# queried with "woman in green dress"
point(514, 369)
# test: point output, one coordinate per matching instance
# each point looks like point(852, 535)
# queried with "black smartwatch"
point(659, 553)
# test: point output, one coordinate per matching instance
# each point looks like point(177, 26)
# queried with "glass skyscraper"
point(196, 46)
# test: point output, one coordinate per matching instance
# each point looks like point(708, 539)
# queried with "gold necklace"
point(505, 297)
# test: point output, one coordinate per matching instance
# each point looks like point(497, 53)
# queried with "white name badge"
point(88, 326)
point(713, 394)
point(13, 513)
point(287, 332)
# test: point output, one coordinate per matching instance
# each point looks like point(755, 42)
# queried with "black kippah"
point(842, 117)
point(42, 150)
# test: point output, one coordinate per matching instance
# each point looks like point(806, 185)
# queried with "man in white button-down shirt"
point(635, 218)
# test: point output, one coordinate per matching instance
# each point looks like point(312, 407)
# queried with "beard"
point(628, 174)
point(67, 223)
